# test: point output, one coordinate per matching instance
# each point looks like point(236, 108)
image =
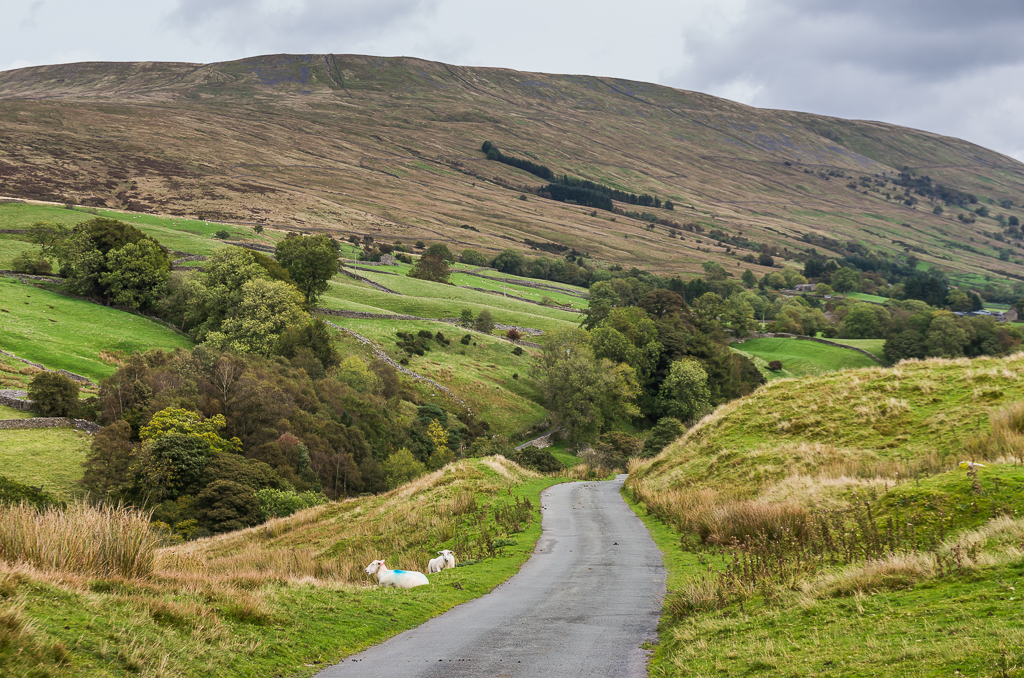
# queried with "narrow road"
point(581, 606)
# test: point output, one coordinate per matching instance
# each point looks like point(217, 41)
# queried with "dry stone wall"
point(49, 422)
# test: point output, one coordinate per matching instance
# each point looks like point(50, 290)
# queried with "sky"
point(947, 66)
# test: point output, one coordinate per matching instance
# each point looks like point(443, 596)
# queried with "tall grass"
point(101, 541)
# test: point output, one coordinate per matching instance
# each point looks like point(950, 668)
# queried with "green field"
point(179, 234)
point(47, 457)
point(873, 346)
point(481, 373)
point(800, 357)
point(873, 298)
point(436, 300)
point(67, 333)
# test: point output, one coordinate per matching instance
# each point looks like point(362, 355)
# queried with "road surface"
point(581, 606)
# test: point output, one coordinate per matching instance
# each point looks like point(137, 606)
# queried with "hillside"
point(819, 523)
point(391, 147)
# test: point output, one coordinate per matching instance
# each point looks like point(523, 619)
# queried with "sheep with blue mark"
point(401, 579)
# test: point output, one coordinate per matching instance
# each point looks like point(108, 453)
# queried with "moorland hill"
point(391, 147)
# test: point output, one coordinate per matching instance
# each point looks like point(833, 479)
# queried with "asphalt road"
point(581, 606)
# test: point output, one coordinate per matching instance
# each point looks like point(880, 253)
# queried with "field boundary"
point(50, 422)
point(786, 335)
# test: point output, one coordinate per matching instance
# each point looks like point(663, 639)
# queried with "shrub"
point(518, 350)
point(466, 339)
point(775, 365)
point(222, 234)
point(513, 334)
point(537, 459)
point(283, 503)
point(484, 322)
point(224, 506)
point(54, 394)
point(31, 263)
point(12, 492)
point(666, 431)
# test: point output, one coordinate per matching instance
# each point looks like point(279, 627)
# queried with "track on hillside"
point(583, 604)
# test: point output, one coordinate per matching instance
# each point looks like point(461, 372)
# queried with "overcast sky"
point(948, 66)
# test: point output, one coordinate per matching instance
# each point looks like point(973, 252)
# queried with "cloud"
point(253, 27)
point(947, 66)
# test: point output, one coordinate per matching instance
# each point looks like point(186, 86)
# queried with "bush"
point(31, 263)
point(666, 431)
point(54, 394)
point(12, 492)
point(484, 322)
point(222, 234)
point(225, 505)
point(775, 365)
point(518, 350)
point(466, 339)
point(537, 459)
point(513, 334)
point(283, 503)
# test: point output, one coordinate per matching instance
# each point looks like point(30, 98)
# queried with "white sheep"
point(445, 559)
point(400, 579)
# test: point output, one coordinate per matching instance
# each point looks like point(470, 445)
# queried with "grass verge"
point(285, 598)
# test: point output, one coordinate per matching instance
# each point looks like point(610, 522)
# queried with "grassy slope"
point(240, 605)
point(480, 373)
point(51, 458)
point(814, 441)
point(66, 333)
point(800, 357)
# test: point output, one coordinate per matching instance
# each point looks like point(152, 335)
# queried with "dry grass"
point(334, 542)
point(103, 541)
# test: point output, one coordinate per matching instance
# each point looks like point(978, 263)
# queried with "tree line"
point(573, 189)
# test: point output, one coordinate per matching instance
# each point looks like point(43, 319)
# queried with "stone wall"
point(49, 422)
point(26, 276)
point(16, 402)
point(70, 375)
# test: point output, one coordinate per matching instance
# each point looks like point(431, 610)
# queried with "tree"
point(169, 464)
point(665, 432)
point(945, 338)
point(748, 278)
point(905, 345)
point(48, 236)
point(659, 303)
point(431, 267)
point(484, 322)
point(53, 394)
point(401, 467)
point(765, 259)
point(107, 464)
point(266, 308)
point(473, 258)
point(846, 280)
point(684, 394)
point(224, 506)
point(511, 262)
point(864, 321)
point(441, 250)
point(186, 422)
point(136, 274)
point(584, 393)
point(31, 263)
point(466, 318)
point(311, 261)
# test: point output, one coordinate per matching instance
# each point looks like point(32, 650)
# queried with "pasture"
point(50, 458)
point(68, 333)
point(800, 357)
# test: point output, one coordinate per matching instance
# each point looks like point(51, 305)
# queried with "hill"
point(819, 523)
point(391, 148)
